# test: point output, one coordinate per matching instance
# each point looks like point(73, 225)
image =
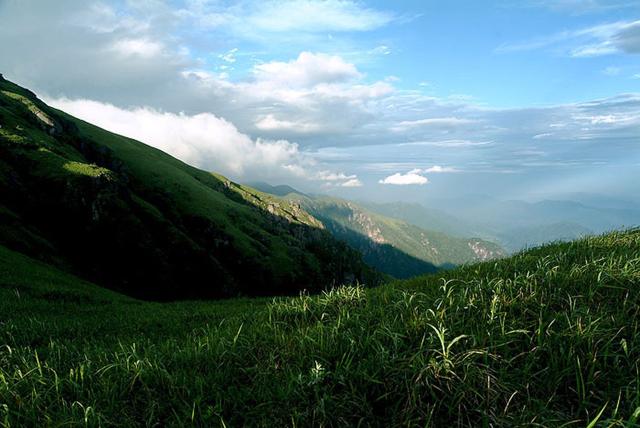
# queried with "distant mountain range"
point(393, 246)
point(516, 224)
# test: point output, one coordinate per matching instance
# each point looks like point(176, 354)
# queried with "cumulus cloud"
point(314, 95)
point(206, 141)
point(416, 176)
point(411, 177)
point(270, 123)
point(333, 176)
point(308, 70)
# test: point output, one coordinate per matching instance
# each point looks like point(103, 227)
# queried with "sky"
point(380, 100)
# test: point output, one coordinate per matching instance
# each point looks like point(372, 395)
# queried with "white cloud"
point(415, 176)
point(411, 177)
point(229, 56)
point(308, 70)
point(354, 182)
point(270, 123)
point(587, 51)
point(333, 176)
point(314, 94)
point(440, 169)
point(542, 135)
point(609, 119)
point(203, 140)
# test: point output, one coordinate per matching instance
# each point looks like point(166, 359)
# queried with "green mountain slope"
point(549, 337)
point(340, 217)
point(133, 218)
point(391, 245)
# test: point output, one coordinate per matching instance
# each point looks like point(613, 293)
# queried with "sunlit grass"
point(86, 169)
point(549, 337)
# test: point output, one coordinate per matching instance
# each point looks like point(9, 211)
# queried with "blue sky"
point(366, 99)
point(499, 53)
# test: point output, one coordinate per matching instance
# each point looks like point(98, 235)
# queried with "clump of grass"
point(89, 170)
point(326, 307)
point(549, 337)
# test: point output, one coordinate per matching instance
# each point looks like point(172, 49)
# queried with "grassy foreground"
point(548, 337)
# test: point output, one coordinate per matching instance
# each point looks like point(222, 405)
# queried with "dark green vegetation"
point(549, 337)
point(134, 219)
point(392, 246)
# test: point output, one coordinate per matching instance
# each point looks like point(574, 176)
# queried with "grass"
point(549, 337)
point(86, 169)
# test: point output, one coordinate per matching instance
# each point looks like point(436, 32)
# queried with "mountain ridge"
point(133, 218)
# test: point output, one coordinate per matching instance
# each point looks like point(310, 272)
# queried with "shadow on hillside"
point(384, 257)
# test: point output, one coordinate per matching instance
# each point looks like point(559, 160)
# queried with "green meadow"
point(549, 337)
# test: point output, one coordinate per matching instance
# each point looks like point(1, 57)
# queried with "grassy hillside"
point(549, 337)
point(391, 245)
point(133, 218)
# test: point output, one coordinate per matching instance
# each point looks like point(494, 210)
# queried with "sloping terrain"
point(549, 337)
point(130, 217)
point(390, 245)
